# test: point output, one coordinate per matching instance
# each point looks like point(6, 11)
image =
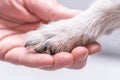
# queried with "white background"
point(103, 66)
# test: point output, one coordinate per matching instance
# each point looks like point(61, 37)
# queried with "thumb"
point(61, 12)
point(49, 10)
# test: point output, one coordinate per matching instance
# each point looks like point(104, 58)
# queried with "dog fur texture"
point(102, 17)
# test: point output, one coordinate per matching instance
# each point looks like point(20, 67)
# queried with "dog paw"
point(59, 36)
point(64, 35)
point(52, 41)
point(49, 41)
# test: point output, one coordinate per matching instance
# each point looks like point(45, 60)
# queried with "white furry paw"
point(59, 36)
point(64, 35)
point(52, 38)
point(84, 28)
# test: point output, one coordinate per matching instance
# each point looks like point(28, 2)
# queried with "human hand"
point(20, 16)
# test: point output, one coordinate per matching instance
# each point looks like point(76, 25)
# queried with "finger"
point(62, 60)
point(49, 10)
point(93, 47)
point(22, 56)
point(15, 11)
point(80, 55)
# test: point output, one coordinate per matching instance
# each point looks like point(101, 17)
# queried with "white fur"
point(102, 17)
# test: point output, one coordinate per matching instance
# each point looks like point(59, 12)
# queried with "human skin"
point(17, 17)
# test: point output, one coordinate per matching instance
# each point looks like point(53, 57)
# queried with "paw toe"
point(46, 48)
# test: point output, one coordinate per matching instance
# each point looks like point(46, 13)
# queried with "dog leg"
point(64, 35)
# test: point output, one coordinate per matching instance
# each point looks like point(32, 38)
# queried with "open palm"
point(20, 16)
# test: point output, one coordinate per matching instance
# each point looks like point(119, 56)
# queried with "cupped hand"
point(20, 16)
